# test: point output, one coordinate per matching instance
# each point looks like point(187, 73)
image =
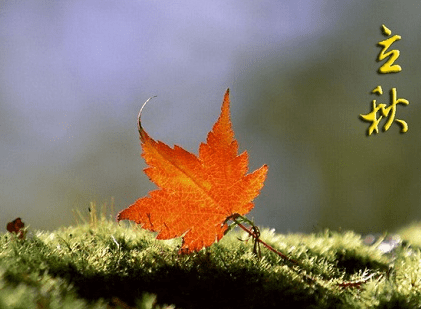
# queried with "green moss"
point(101, 264)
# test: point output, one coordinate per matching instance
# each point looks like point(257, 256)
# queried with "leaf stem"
point(139, 124)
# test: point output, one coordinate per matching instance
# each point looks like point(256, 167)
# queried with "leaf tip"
point(227, 95)
point(122, 215)
point(117, 218)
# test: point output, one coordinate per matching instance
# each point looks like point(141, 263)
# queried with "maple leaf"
point(197, 194)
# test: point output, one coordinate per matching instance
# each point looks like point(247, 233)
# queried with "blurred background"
point(73, 75)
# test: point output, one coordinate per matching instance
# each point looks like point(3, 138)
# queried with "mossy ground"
point(100, 264)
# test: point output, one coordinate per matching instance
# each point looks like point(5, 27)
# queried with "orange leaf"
point(197, 194)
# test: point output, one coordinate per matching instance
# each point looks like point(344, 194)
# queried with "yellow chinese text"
point(385, 112)
point(388, 66)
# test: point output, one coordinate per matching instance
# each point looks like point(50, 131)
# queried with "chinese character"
point(388, 66)
point(385, 111)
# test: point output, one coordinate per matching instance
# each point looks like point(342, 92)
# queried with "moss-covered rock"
point(105, 265)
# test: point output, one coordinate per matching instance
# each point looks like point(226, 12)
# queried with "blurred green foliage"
point(323, 168)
